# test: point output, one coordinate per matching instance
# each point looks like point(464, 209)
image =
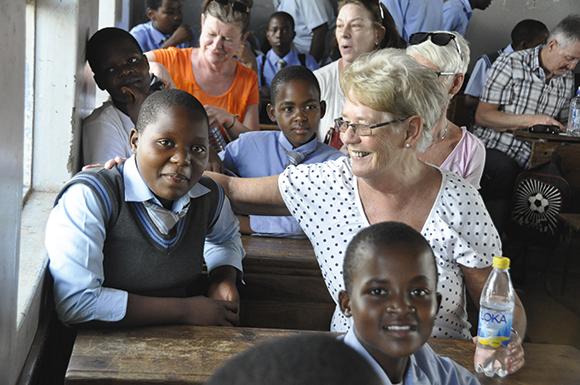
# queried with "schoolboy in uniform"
point(119, 67)
point(280, 34)
point(125, 245)
point(390, 278)
point(164, 28)
point(296, 108)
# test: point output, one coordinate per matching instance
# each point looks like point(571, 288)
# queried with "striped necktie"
point(281, 64)
point(295, 157)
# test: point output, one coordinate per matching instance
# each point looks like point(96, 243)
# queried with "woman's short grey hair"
point(389, 80)
point(226, 14)
point(567, 31)
point(445, 58)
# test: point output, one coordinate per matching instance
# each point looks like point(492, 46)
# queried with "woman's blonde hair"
point(389, 80)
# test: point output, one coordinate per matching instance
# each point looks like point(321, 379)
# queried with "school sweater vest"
point(137, 257)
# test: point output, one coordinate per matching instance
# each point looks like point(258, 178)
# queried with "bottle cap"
point(501, 262)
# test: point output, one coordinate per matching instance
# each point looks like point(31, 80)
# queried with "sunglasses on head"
point(237, 6)
point(437, 38)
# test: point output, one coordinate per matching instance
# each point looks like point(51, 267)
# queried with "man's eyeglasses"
point(361, 129)
point(438, 38)
point(237, 6)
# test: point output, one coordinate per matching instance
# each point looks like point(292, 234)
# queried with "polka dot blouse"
point(324, 199)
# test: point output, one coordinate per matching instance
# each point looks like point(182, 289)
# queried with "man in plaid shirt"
point(525, 88)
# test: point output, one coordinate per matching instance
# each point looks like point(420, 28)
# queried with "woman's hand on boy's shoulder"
point(205, 311)
point(118, 160)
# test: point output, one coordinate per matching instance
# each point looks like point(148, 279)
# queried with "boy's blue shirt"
point(150, 38)
point(425, 366)
point(75, 235)
point(270, 67)
point(264, 153)
point(456, 15)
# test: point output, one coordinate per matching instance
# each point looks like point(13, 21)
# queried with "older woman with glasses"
point(211, 73)
point(391, 104)
point(362, 26)
point(453, 148)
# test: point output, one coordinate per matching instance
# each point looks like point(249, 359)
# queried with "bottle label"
point(494, 327)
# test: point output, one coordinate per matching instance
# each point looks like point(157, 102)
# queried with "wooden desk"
point(284, 287)
point(190, 354)
point(543, 145)
point(571, 237)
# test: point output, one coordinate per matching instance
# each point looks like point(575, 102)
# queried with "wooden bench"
point(571, 238)
point(284, 287)
point(182, 355)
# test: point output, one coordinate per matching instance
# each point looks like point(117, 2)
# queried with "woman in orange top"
point(228, 90)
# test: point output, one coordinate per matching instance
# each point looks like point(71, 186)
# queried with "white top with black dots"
point(324, 199)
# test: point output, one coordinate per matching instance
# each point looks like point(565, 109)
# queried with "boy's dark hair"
point(283, 15)
point(297, 360)
point(291, 73)
point(102, 38)
point(160, 101)
point(384, 234)
point(526, 30)
point(153, 4)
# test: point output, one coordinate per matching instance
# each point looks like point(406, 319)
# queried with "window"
point(44, 98)
point(28, 98)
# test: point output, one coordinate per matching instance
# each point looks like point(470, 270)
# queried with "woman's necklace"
point(444, 133)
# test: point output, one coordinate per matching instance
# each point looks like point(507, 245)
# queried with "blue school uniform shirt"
point(425, 366)
point(150, 38)
point(264, 153)
point(267, 70)
point(479, 73)
point(76, 232)
point(456, 15)
point(412, 16)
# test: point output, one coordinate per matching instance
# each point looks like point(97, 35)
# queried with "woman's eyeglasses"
point(361, 129)
point(438, 38)
point(237, 6)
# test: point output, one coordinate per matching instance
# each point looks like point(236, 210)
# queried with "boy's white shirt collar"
point(136, 189)
point(306, 148)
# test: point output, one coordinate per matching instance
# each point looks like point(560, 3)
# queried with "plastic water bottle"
point(574, 115)
point(495, 320)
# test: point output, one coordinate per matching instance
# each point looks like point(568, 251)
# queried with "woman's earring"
point(407, 145)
